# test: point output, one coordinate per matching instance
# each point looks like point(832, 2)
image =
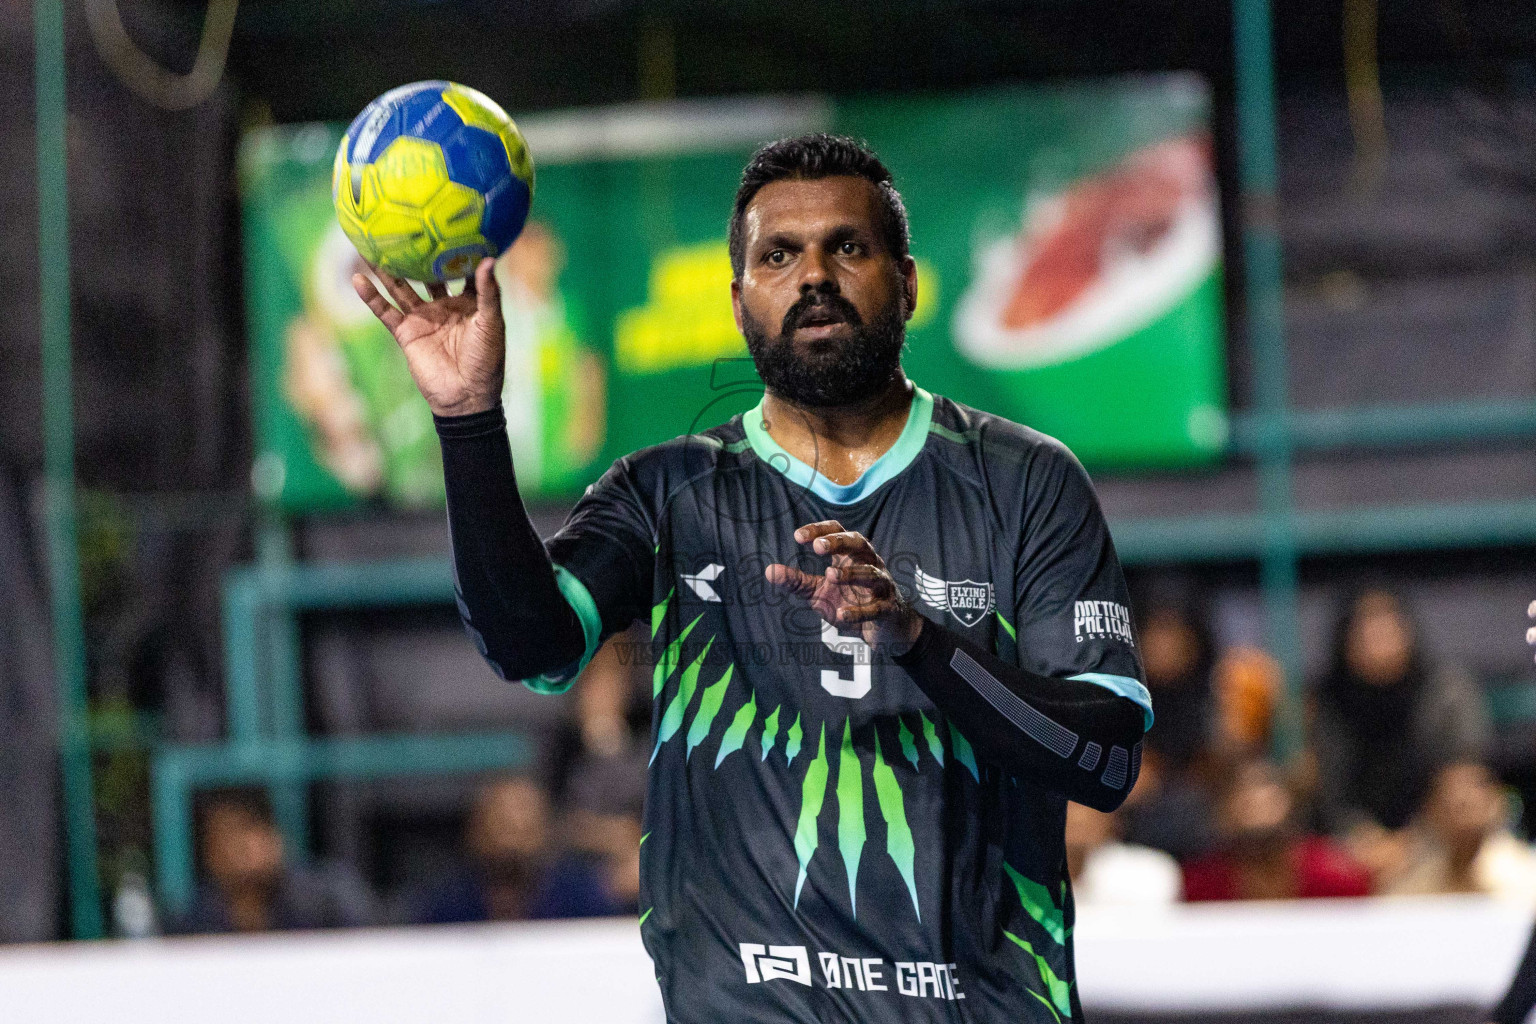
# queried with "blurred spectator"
point(1171, 809)
point(613, 718)
point(1176, 654)
point(603, 826)
point(1248, 684)
point(1263, 854)
point(613, 697)
point(1461, 842)
point(512, 872)
point(249, 886)
point(1386, 720)
point(1107, 871)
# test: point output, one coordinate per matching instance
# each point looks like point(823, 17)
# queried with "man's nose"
point(816, 274)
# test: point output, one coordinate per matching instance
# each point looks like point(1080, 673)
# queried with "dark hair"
point(820, 155)
point(247, 800)
point(1347, 620)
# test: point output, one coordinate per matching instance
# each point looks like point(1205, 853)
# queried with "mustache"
point(821, 302)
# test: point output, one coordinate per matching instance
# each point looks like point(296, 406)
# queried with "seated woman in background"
point(1386, 720)
point(1171, 809)
point(1460, 842)
point(1263, 853)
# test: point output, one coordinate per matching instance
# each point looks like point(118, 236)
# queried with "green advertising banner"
point(1068, 247)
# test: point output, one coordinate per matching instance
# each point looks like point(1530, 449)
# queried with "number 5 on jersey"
point(840, 643)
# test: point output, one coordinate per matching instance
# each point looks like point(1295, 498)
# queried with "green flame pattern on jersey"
point(893, 808)
point(812, 793)
point(736, 735)
point(668, 661)
point(931, 735)
point(850, 783)
point(907, 749)
point(849, 788)
point(1038, 904)
point(709, 707)
point(850, 813)
point(792, 748)
point(770, 732)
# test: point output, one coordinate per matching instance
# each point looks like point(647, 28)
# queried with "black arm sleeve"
point(1517, 1002)
point(505, 583)
point(1072, 737)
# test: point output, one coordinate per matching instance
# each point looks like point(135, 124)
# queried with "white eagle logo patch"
point(967, 600)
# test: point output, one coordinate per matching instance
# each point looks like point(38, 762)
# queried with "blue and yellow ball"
point(430, 178)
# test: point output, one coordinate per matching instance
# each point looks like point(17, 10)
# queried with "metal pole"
point(285, 685)
point(1253, 53)
point(59, 472)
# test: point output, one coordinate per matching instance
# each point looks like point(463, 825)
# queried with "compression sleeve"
point(1073, 737)
point(1517, 1002)
point(520, 609)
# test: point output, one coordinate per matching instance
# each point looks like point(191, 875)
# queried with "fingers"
point(851, 544)
point(866, 612)
point(437, 290)
point(1530, 634)
point(811, 531)
point(387, 314)
point(791, 580)
point(829, 538)
point(872, 577)
point(399, 290)
point(485, 289)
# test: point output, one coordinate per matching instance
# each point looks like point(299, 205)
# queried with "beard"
point(844, 372)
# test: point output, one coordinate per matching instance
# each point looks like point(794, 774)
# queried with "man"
point(249, 886)
point(512, 872)
point(892, 635)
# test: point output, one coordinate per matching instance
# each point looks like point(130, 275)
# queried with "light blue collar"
point(897, 458)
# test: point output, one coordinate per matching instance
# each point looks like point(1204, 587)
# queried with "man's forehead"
point(806, 204)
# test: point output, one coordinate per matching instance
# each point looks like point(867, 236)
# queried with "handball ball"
point(431, 178)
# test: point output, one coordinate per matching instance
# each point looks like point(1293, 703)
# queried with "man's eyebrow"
point(845, 232)
point(779, 240)
point(837, 233)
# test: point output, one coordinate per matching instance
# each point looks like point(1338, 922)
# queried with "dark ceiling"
point(306, 60)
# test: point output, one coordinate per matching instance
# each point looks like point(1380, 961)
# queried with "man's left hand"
point(855, 589)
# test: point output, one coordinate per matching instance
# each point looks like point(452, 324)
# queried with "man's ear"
point(909, 283)
point(736, 302)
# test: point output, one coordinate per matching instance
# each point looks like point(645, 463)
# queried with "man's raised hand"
point(856, 589)
point(455, 345)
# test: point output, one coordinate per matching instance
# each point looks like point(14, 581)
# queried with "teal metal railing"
point(85, 914)
point(1253, 54)
point(264, 694)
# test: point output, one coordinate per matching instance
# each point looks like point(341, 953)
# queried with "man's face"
point(821, 300)
point(241, 851)
point(510, 821)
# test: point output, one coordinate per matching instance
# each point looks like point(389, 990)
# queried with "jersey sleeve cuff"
point(919, 649)
point(580, 599)
point(474, 424)
point(1132, 690)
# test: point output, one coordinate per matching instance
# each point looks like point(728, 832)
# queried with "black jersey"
point(821, 843)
